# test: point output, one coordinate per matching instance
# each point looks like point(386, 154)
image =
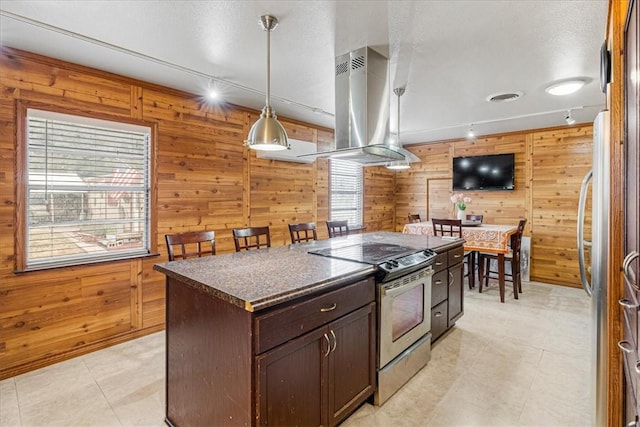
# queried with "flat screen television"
point(491, 172)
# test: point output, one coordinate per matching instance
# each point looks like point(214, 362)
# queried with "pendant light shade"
point(267, 134)
point(404, 163)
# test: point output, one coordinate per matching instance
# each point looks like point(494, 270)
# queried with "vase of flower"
point(460, 203)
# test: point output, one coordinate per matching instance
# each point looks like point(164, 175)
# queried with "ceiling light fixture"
point(267, 133)
point(471, 134)
point(565, 87)
point(212, 92)
point(404, 163)
point(569, 118)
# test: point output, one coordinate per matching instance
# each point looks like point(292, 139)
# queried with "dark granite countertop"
point(255, 280)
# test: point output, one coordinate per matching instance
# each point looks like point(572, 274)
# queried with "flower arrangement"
point(460, 201)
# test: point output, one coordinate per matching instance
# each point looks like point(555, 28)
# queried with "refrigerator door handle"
point(582, 203)
point(628, 271)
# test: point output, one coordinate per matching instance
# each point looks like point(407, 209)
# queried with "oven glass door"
point(407, 311)
point(405, 307)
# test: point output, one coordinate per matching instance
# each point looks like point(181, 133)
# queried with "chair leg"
point(471, 268)
point(515, 280)
point(480, 272)
point(487, 270)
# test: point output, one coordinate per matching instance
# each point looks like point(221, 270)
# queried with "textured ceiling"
point(450, 55)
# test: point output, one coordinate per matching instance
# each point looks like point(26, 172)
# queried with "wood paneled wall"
point(206, 179)
point(549, 167)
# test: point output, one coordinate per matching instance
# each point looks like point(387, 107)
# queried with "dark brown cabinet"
point(446, 291)
point(309, 361)
point(320, 377)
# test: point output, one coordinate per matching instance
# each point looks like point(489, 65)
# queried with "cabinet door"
point(352, 363)
point(456, 276)
point(291, 382)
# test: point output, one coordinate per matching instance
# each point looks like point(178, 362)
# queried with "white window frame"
point(127, 244)
point(346, 192)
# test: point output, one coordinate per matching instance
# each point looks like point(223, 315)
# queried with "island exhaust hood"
point(362, 111)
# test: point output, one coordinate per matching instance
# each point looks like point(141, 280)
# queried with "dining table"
point(479, 237)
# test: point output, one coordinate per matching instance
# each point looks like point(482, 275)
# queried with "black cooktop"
point(369, 253)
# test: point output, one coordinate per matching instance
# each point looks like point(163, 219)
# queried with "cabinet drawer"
point(456, 255)
point(440, 262)
point(439, 320)
point(284, 324)
point(439, 287)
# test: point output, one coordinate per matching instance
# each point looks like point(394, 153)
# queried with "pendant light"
point(398, 164)
point(267, 134)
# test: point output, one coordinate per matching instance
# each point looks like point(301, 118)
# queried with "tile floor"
point(521, 363)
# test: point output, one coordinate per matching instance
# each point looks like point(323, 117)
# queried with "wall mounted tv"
point(491, 172)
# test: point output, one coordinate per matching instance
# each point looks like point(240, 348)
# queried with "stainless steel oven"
point(404, 341)
point(404, 309)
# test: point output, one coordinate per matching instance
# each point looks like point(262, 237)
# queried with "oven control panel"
point(405, 264)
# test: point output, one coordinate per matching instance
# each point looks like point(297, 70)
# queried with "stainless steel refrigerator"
point(593, 253)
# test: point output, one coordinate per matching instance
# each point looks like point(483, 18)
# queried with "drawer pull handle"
point(452, 278)
point(438, 282)
point(335, 341)
point(331, 308)
point(627, 304)
point(625, 346)
point(326, 337)
point(438, 314)
point(439, 263)
point(457, 256)
point(628, 271)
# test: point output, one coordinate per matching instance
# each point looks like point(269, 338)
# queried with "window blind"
point(87, 190)
point(346, 192)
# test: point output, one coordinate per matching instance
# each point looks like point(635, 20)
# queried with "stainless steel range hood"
point(362, 111)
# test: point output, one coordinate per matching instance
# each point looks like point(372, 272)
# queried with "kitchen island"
point(275, 336)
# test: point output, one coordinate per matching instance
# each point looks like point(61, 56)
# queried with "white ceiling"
point(451, 55)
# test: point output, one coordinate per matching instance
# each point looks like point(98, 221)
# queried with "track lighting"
point(471, 134)
point(569, 118)
point(212, 92)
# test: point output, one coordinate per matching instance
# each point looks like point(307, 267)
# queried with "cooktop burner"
point(392, 260)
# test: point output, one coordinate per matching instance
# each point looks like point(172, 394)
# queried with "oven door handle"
point(391, 292)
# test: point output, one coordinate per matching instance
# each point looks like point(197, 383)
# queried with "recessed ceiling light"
point(565, 87)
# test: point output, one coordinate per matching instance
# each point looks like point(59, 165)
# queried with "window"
point(87, 193)
point(345, 192)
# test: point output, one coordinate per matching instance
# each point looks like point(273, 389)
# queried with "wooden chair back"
point(414, 218)
point(472, 217)
point(251, 238)
point(516, 241)
point(303, 232)
point(338, 228)
point(191, 244)
point(447, 227)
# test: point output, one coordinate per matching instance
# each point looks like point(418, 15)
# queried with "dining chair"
point(512, 258)
point(191, 244)
point(251, 238)
point(453, 228)
point(473, 255)
point(447, 227)
point(338, 228)
point(303, 232)
point(414, 218)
